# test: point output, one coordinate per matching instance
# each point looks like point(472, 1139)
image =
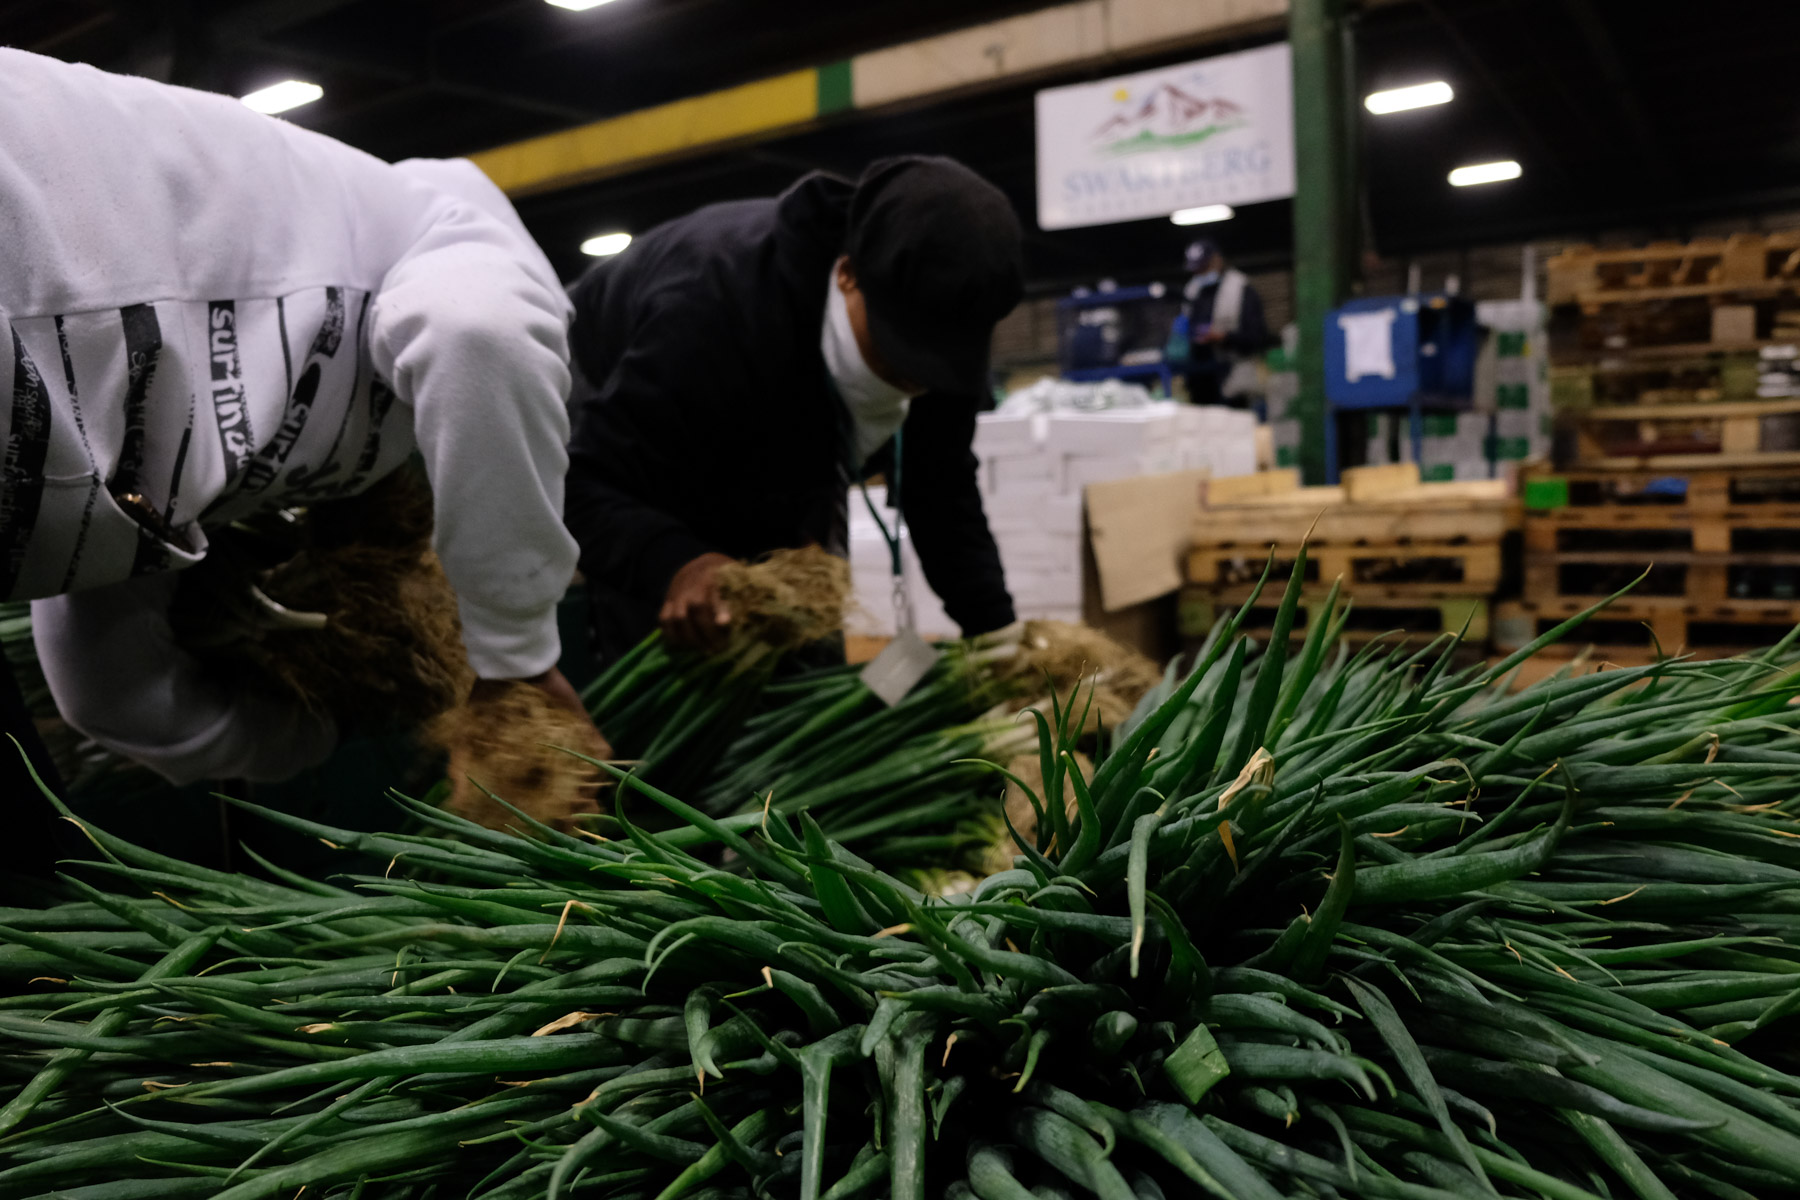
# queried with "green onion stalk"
point(904, 785)
point(908, 786)
point(911, 787)
point(1320, 924)
point(673, 711)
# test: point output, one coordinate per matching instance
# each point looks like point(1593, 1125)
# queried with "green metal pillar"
point(1324, 202)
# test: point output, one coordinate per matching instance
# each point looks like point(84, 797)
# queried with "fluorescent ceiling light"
point(606, 244)
point(578, 5)
point(1206, 214)
point(1419, 95)
point(279, 97)
point(1493, 172)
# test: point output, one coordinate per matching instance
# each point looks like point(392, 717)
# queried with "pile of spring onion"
point(892, 782)
point(905, 787)
point(672, 710)
point(1321, 925)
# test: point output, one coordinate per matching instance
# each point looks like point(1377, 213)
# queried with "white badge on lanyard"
point(908, 658)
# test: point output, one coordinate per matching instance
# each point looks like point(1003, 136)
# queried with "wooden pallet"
point(1592, 496)
point(1724, 535)
point(1666, 529)
point(1674, 436)
point(1669, 380)
point(1372, 614)
point(1745, 263)
point(1374, 506)
point(1639, 627)
point(1589, 576)
point(1419, 568)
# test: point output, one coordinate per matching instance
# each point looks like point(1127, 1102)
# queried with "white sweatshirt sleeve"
point(117, 676)
point(473, 338)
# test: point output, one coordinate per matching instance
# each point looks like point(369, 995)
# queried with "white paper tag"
point(897, 669)
point(1368, 344)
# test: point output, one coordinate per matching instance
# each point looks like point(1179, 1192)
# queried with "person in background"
point(1226, 329)
point(205, 314)
point(739, 367)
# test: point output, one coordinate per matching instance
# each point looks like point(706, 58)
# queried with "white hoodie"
point(221, 313)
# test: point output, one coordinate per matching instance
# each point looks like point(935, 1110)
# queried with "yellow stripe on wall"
point(589, 151)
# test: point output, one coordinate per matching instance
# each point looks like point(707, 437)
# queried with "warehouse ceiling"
point(1624, 114)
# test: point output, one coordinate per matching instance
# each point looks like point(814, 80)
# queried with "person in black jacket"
point(738, 368)
point(1226, 324)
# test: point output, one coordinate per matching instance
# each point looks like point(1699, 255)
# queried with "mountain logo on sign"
point(1166, 118)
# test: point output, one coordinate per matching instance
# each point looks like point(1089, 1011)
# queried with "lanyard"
point(903, 610)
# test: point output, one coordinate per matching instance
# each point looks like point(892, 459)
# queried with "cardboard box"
point(1220, 456)
point(1039, 590)
point(1080, 470)
point(1008, 433)
point(1119, 431)
point(1015, 472)
point(1035, 548)
point(1033, 509)
point(1734, 323)
point(1140, 530)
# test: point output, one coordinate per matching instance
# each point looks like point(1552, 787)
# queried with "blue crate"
point(1425, 349)
point(1432, 345)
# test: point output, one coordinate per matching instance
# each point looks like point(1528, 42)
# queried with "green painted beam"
point(1057, 39)
point(837, 90)
point(1324, 204)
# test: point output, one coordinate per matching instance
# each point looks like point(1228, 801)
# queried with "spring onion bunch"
point(1321, 925)
point(673, 710)
point(902, 785)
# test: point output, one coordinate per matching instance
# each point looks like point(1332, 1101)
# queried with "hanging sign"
point(1217, 131)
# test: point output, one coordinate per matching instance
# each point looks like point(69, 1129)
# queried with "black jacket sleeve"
point(658, 411)
point(942, 503)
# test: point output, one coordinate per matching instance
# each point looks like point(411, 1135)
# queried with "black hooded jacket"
point(705, 420)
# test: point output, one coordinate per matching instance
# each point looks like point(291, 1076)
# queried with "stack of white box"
point(1033, 469)
point(1521, 378)
point(1035, 518)
point(1216, 439)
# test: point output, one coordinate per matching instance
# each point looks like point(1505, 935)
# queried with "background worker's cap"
point(1200, 252)
point(937, 253)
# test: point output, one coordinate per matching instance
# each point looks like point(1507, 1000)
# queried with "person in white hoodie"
point(205, 313)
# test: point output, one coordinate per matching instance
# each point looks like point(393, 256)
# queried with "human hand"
point(553, 683)
point(509, 739)
point(692, 613)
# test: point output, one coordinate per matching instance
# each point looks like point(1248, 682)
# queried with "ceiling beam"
point(1619, 84)
point(413, 82)
point(1526, 128)
point(264, 17)
point(72, 33)
point(1040, 45)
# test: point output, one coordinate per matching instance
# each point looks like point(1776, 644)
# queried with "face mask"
point(876, 406)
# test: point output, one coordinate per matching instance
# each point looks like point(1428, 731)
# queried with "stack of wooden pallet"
point(1719, 551)
point(1421, 558)
point(1677, 355)
point(1676, 382)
